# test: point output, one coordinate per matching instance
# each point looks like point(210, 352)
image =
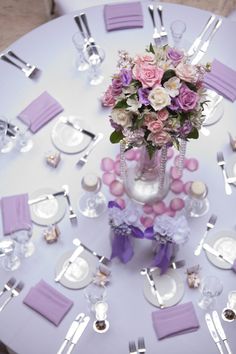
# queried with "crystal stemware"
point(6, 143)
point(24, 143)
point(25, 247)
point(211, 287)
point(94, 55)
point(79, 43)
point(10, 260)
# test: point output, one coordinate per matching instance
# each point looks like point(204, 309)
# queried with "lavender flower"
point(143, 96)
point(126, 77)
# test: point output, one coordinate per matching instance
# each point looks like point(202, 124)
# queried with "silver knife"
point(221, 331)
point(72, 258)
point(78, 333)
point(205, 45)
point(212, 330)
point(77, 127)
point(198, 40)
point(45, 197)
point(211, 250)
point(71, 331)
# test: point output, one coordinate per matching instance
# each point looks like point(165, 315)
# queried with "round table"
point(50, 48)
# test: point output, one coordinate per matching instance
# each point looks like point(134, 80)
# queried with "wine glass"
point(25, 247)
point(24, 143)
point(6, 144)
point(79, 43)
point(10, 260)
point(178, 28)
point(211, 287)
point(94, 55)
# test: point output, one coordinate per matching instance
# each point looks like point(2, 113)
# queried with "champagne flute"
point(24, 143)
point(94, 55)
point(25, 247)
point(10, 260)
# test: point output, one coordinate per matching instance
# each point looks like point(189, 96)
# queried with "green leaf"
point(121, 104)
point(167, 75)
point(116, 137)
point(191, 86)
point(193, 134)
point(151, 49)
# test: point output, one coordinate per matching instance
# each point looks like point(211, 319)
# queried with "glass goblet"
point(210, 288)
point(178, 28)
point(25, 247)
point(10, 260)
point(94, 55)
point(6, 144)
point(24, 143)
point(79, 43)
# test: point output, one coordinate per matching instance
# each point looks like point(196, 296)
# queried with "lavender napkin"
point(123, 16)
point(15, 213)
point(222, 79)
point(40, 111)
point(47, 301)
point(175, 320)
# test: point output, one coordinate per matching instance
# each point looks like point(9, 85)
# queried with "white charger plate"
point(169, 285)
point(66, 138)
point(49, 211)
point(80, 273)
point(225, 243)
point(213, 114)
point(230, 164)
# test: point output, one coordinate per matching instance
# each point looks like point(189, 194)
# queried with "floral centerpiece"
point(156, 98)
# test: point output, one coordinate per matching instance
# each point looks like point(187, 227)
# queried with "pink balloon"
point(148, 209)
point(107, 164)
point(120, 202)
point(116, 188)
point(146, 221)
point(192, 164)
point(117, 168)
point(177, 186)
point(130, 155)
point(108, 178)
point(174, 173)
point(187, 187)
point(170, 153)
point(176, 204)
point(159, 208)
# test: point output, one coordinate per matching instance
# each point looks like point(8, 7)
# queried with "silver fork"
point(148, 273)
point(141, 345)
point(9, 285)
point(102, 259)
point(72, 215)
point(14, 292)
point(221, 163)
point(29, 72)
point(83, 160)
point(210, 225)
point(156, 35)
point(163, 33)
point(132, 347)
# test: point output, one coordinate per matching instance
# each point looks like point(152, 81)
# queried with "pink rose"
point(146, 58)
point(187, 99)
point(108, 98)
point(148, 74)
point(163, 114)
point(149, 117)
point(160, 139)
point(155, 126)
point(187, 72)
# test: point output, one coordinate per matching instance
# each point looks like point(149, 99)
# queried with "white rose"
point(159, 98)
point(187, 72)
point(121, 117)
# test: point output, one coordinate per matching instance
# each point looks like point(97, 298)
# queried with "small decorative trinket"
point(101, 278)
point(53, 158)
point(193, 277)
point(232, 142)
point(51, 234)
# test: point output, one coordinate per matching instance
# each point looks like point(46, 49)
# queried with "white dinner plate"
point(49, 211)
point(225, 243)
point(67, 139)
point(230, 164)
point(80, 273)
point(212, 110)
point(170, 287)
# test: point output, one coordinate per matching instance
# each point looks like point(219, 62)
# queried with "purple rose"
point(174, 104)
point(175, 55)
point(187, 99)
point(126, 76)
point(116, 85)
point(143, 96)
point(185, 129)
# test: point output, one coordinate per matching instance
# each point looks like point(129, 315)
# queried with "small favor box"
point(53, 158)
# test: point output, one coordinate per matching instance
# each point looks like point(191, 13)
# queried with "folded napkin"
point(47, 301)
point(175, 320)
point(40, 111)
point(15, 213)
point(123, 16)
point(222, 79)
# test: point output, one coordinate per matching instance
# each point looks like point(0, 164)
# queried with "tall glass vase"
point(147, 182)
